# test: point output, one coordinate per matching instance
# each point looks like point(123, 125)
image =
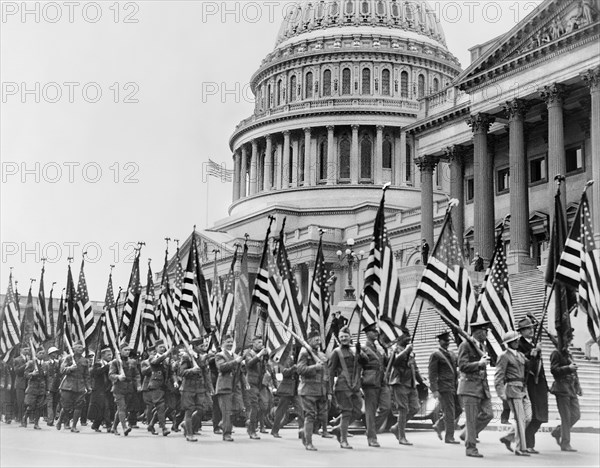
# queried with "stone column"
point(354, 159)
point(592, 78)
point(378, 167)
point(332, 162)
point(285, 170)
point(553, 95)
point(254, 168)
point(278, 164)
point(268, 182)
point(519, 186)
point(399, 158)
point(244, 171)
point(427, 165)
point(484, 186)
point(295, 161)
point(455, 155)
point(309, 161)
point(236, 175)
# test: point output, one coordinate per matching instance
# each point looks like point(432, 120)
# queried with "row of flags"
point(185, 308)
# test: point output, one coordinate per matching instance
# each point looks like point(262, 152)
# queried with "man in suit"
point(443, 379)
point(74, 386)
point(228, 383)
point(256, 362)
point(378, 402)
point(473, 386)
point(535, 379)
point(100, 399)
point(314, 387)
point(36, 374)
point(287, 392)
point(509, 381)
point(125, 377)
point(403, 380)
point(566, 389)
point(196, 386)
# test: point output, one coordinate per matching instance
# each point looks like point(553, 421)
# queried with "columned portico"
point(483, 185)
point(592, 78)
point(426, 165)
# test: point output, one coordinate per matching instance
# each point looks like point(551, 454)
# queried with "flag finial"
point(111, 268)
point(149, 261)
point(70, 260)
point(386, 186)
point(588, 184)
point(32, 280)
point(321, 232)
point(176, 242)
point(43, 261)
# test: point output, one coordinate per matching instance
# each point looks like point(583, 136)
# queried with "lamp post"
point(351, 257)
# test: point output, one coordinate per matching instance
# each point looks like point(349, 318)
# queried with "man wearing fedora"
point(509, 381)
point(443, 378)
point(473, 386)
point(535, 380)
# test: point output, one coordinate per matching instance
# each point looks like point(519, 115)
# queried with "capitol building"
point(356, 94)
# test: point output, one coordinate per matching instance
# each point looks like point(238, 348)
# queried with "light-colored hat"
point(510, 336)
point(52, 349)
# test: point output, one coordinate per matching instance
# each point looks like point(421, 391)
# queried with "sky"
point(111, 110)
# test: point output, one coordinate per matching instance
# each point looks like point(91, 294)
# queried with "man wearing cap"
point(53, 366)
point(566, 389)
point(74, 386)
point(443, 378)
point(473, 386)
point(125, 377)
point(378, 401)
point(159, 373)
point(314, 387)
point(36, 374)
point(509, 381)
point(228, 383)
point(535, 380)
point(403, 380)
point(346, 366)
point(195, 387)
point(287, 392)
point(100, 410)
point(256, 362)
point(425, 252)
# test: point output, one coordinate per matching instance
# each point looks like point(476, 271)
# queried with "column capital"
point(330, 128)
point(307, 130)
point(355, 127)
point(517, 108)
point(268, 137)
point(591, 78)
point(286, 133)
point(455, 153)
point(426, 163)
point(380, 128)
point(254, 144)
point(480, 123)
point(553, 94)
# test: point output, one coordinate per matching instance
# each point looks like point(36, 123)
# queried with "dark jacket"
point(374, 365)
point(566, 381)
point(314, 380)
point(289, 384)
point(255, 368)
point(99, 376)
point(19, 370)
point(36, 384)
point(443, 371)
point(227, 367)
point(132, 376)
point(76, 376)
point(53, 374)
point(473, 377)
point(159, 372)
point(538, 391)
point(195, 379)
point(404, 370)
point(353, 367)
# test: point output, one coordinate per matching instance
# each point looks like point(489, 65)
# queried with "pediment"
point(552, 25)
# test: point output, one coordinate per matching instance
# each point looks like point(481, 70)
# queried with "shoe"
point(474, 454)
point(394, 430)
point(127, 431)
point(532, 450)
point(165, 432)
point(403, 441)
point(506, 442)
point(191, 439)
point(556, 436)
point(336, 432)
point(49, 423)
point(327, 435)
point(301, 436)
point(310, 448)
point(254, 436)
point(74, 429)
point(452, 441)
point(264, 431)
point(116, 432)
point(83, 423)
point(374, 443)
point(568, 448)
point(522, 453)
point(217, 431)
point(134, 426)
point(276, 435)
point(438, 431)
point(345, 445)
point(462, 436)
point(151, 429)
point(97, 430)
point(227, 439)
point(36, 427)
point(175, 428)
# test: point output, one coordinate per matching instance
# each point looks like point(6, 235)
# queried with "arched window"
point(346, 81)
point(381, 8)
point(334, 8)
point(404, 84)
point(323, 160)
point(387, 154)
point(421, 86)
point(345, 157)
point(349, 7)
point(366, 156)
point(395, 9)
point(366, 81)
point(365, 7)
point(308, 85)
point(436, 85)
point(385, 82)
point(327, 83)
point(292, 90)
point(279, 92)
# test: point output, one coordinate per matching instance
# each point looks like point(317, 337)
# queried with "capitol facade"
point(357, 94)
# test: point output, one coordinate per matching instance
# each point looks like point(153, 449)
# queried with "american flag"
point(110, 325)
point(189, 315)
point(495, 299)
point(40, 329)
point(318, 304)
point(149, 315)
point(219, 171)
point(62, 324)
point(85, 313)
point(242, 304)
point(28, 319)
point(50, 331)
point(446, 283)
point(381, 290)
point(166, 308)
point(202, 285)
point(215, 296)
point(579, 266)
point(225, 319)
point(293, 299)
point(278, 312)
point(260, 294)
point(73, 332)
point(10, 324)
point(180, 320)
point(133, 309)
